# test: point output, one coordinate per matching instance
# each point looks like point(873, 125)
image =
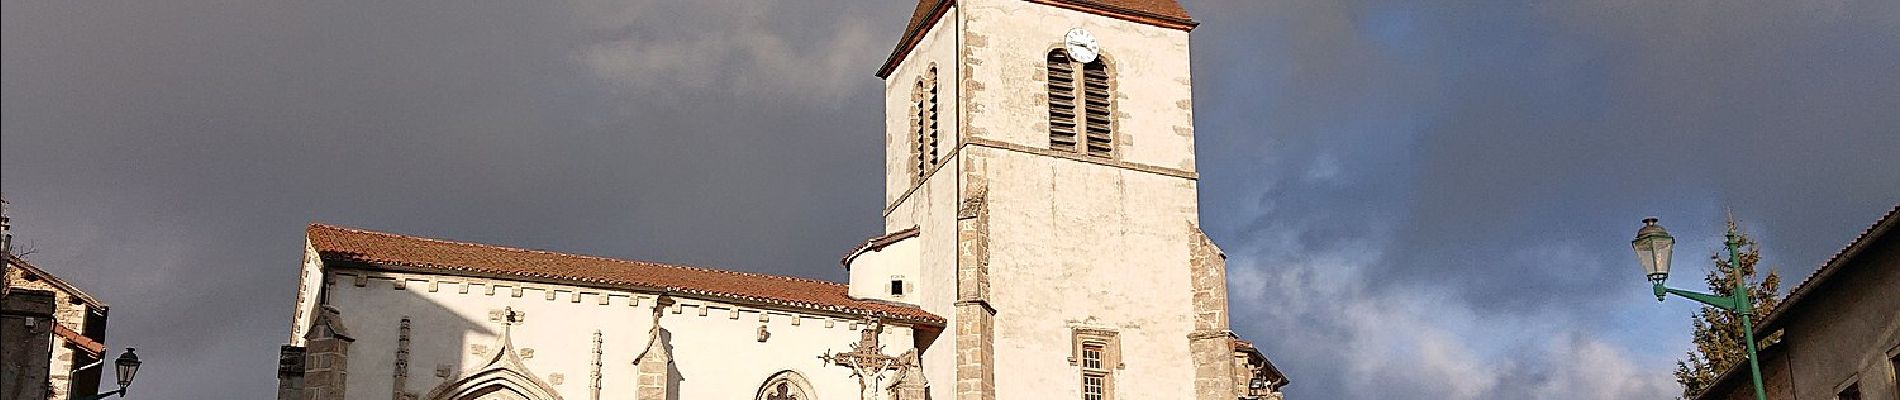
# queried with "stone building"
point(1840, 329)
point(1042, 241)
point(1255, 377)
point(51, 332)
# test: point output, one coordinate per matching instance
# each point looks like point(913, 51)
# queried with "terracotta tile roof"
point(1160, 8)
point(1164, 13)
point(387, 250)
point(80, 341)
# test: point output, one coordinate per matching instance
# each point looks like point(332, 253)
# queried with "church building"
point(1042, 241)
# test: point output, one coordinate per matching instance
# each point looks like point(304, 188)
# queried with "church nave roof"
point(351, 245)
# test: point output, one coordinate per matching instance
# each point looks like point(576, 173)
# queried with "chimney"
point(6, 228)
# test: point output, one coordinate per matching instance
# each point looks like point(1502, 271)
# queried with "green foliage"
point(1718, 333)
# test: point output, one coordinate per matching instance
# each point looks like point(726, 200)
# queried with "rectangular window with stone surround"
point(1097, 354)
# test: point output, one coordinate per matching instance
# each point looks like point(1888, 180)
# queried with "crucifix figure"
point(868, 362)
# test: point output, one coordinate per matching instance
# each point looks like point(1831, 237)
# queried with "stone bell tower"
point(1040, 177)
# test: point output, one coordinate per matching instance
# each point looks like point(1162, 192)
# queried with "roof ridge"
point(1799, 291)
point(1851, 243)
point(54, 280)
point(1884, 218)
point(561, 254)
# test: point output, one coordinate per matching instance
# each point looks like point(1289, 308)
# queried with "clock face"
point(1081, 45)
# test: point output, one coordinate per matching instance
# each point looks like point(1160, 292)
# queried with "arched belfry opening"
point(1081, 105)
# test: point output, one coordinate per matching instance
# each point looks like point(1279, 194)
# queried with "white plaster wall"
point(718, 356)
point(1071, 242)
point(1079, 243)
point(873, 270)
point(931, 207)
point(309, 287)
point(938, 48)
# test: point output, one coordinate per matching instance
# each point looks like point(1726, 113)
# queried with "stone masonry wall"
point(70, 311)
point(1212, 342)
point(1077, 241)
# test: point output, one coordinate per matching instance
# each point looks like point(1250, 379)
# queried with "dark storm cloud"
point(167, 155)
point(1473, 170)
point(1465, 171)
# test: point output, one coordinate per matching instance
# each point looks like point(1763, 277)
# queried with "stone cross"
point(868, 362)
point(508, 318)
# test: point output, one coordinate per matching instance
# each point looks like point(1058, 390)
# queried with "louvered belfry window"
point(925, 123)
point(1081, 106)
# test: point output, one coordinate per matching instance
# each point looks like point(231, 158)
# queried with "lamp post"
point(127, 366)
point(1653, 247)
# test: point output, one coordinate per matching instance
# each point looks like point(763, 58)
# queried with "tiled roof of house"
point(1165, 13)
point(1736, 374)
point(1272, 372)
point(77, 340)
point(28, 268)
point(1827, 269)
point(379, 249)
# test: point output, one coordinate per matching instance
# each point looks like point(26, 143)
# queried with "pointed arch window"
point(785, 385)
point(1081, 106)
point(924, 125)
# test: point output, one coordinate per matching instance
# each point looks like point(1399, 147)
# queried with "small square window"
point(897, 287)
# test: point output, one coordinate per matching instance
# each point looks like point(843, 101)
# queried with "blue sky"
point(1419, 199)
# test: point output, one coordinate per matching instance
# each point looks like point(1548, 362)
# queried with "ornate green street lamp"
point(127, 366)
point(1653, 247)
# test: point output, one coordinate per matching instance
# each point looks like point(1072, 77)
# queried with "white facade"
point(1068, 242)
point(1045, 265)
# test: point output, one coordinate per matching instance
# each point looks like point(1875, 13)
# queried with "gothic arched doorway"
point(494, 384)
point(495, 392)
point(785, 385)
